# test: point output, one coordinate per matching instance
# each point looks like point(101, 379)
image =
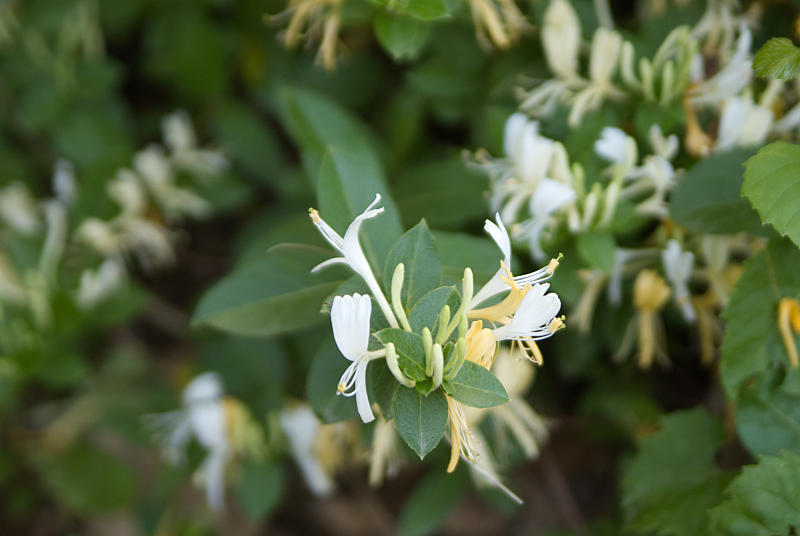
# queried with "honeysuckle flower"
point(561, 38)
point(535, 319)
point(731, 79)
point(650, 294)
point(550, 197)
point(678, 266)
point(55, 217)
point(664, 147)
point(626, 260)
point(98, 284)
point(603, 62)
point(180, 138)
point(462, 440)
point(384, 458)
point(350, 317)
point(321, 21)
point(789, 324)
point(126, 189)
point(497, 283)
point(157, 172)
point(498, 23)
point(582, 315)
point(302, 429)
point(742, 123)
point(18, 209)
point(64, 181)
point(617, 147)
point(352, 254)
point(205, 418)
point(148, 240)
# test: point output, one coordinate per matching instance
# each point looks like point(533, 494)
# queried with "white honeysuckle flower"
point(731, 79)
point(626, 259)
point(496, 284)
point(678, 269)
point(98, 284)
point(616, 146)
point(352, 254)
point(550, 196)
point(534, 317)
point(665, 147)
point(606, 45)
point(181, 140)
point(302, 428)
point(126, 189)
point(156, 171)
point(203, 417)
point(561, 38)
point(742, 123)
point(789, 121)
point(18, 209)
point(100, 236)
point(659, 175)
point(148, 240)
point(64, 181)
point(350, 317)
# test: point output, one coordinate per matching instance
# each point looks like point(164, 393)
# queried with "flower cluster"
point(460, 345)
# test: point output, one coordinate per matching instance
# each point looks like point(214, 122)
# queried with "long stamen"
point(326, 230)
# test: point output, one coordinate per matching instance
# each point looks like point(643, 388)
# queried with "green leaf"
point(410, 351)
point(762, 500)
point(327, 366)
point(249, 141)
point(597, 248)
point(778, 58)
point(420, 420)
point(403, 37)
point(260, 488)
point(459, 250)
point(423, 9)
point(768, 416)
point(752, 341)
point(476, 387)
point(431, 502)
point(275, 293)
point(416, 249)
point(427, 190)
point(707, 198)
point(381, 386)
point(347, 185)
point(772, 184)
point(426, 311)
point(89, 480)
point(672, 480)
point(316, 122)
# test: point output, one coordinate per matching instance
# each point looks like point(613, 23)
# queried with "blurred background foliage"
point(89, 81)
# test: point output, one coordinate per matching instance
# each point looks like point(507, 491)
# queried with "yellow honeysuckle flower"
point(789, 324)
point(650, 294)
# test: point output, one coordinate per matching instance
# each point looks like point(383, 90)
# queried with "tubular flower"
point(678, 266)
point(352, 254)
point(497, 22)
point(205, 417)
point(462, 442)
point(499, 282)
point(650, 294)
point(350, 321)
point(322, 21)
point(789, 324)
point(535, 319)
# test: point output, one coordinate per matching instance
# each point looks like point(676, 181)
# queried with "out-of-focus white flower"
point(128, 192)
point(561, 38)
point(384, 457)
point(64, 181)
point(99, 235)
point(181, 140)
point(731, 79)
point(350, 317)
point(352, 254)
point(98, 284)
point(302, 429)
point(203, 417)
point(626, 260)
point(148, 240)
point(616, 146)
point(550, 197)
point(742, 123)
point(665, 147)
point(678, 269)
point(18, 209)
point(156, 171)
